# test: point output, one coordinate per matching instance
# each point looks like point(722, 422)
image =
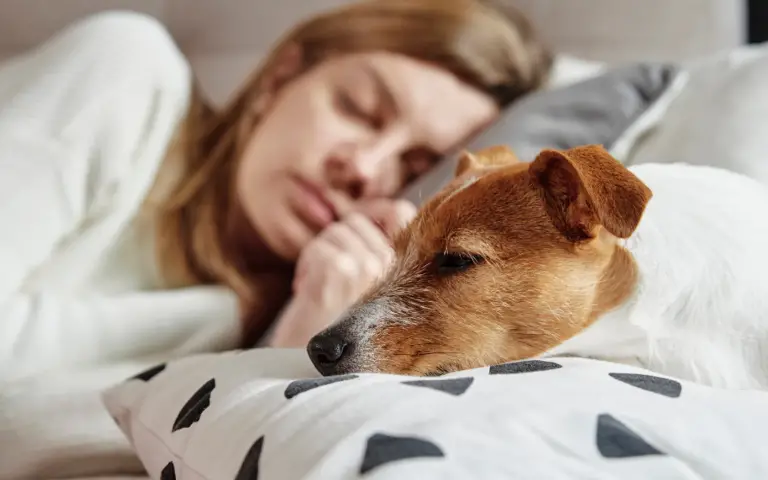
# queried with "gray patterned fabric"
point(594, 111)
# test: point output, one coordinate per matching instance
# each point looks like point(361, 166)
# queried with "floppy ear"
point(585, 187)
point(496, 156)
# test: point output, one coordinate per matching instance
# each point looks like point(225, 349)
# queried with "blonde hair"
point(489, 48)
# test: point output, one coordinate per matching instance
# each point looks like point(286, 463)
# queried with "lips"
point(312, 205)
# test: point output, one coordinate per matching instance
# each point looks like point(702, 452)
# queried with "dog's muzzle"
point(345, 346)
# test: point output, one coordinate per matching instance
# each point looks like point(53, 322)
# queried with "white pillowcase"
point(720, 118)
point(241, 415)
point(567, 70)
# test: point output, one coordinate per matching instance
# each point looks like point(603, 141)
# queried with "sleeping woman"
point(141, 224)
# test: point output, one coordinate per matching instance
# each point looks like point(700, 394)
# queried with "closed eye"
point(448, 263)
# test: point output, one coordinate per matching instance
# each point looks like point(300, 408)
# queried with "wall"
point(225, 38)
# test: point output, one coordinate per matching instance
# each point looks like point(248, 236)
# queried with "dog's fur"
point(664, 266)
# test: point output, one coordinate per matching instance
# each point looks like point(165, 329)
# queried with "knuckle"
point(346, 266)
point(357, 218)
point(373, 268)
point(344, 233)
point(333, 230)
point(373, 272)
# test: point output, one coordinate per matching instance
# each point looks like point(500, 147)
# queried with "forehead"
point(433, 103)
point(483, 208)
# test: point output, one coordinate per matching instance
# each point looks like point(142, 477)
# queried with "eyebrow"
point(469, 242)
point(382, 88)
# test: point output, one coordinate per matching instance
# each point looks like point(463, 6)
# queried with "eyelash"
point(447, 263)
point(349, 107)
point(418, 156)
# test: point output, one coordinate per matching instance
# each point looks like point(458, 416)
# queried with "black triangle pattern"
point(168, 472)
point(452, 386)
point(382, 449)
point(525, 366)
point(616, 440)
point(193, 409)
point(249, 469)
point(663, 386)
point(149, 373)
point(300, 386)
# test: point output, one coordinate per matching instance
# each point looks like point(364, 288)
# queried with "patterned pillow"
point(263, 414)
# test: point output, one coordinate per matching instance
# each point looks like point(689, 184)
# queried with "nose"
point(361, 170)
point(350, 175)
point(326, 351)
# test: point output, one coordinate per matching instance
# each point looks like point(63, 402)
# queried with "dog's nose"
point(326, 351)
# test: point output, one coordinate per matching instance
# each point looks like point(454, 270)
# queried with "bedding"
point(718, 119)
point(710, 421)
point(264, 414)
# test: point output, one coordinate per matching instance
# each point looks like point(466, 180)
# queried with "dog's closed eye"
point(448, 263)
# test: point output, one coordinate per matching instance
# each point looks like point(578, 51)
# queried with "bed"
point(266, 414)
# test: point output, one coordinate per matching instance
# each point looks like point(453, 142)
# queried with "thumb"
point(390, 215)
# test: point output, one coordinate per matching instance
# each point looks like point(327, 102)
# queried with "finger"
point(355, 263)
point(342, 275)
point(301, 267)
point(344, 237)
point(402, 213)
point(390, 215)
point(375, 240)
point(298, 277)
point(320, 282)
point(373, 252)
point(314, 258)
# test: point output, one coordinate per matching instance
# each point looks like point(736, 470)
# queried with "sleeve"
point(77, 114)
point(44, 330)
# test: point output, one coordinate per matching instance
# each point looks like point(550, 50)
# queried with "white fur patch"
point(700, 311)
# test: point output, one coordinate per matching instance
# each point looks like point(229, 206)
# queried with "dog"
point(659, 266)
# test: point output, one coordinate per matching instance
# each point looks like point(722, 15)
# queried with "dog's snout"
point(326, 351)
point(345, 347)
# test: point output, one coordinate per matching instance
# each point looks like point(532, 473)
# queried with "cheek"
point(390, 178)
point(299, 131)
point(434, 335)
point(247, 175)
point(435, 347)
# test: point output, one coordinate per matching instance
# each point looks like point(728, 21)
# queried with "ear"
point(586, 187)
point(496, 156)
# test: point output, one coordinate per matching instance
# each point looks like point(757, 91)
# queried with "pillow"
point(568, 69)
point(262, 414)
point(719, 119)
point(598, 110)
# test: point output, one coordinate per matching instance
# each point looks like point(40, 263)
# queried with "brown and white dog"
point(663, 266)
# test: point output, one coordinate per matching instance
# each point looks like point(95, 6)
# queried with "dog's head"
point(507, 262)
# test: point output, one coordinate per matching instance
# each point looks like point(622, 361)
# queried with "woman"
point(141, 224)
point(348, 108)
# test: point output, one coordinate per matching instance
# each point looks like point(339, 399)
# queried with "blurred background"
point(224, 38)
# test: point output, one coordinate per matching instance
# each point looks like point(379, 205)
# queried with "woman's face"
point(355, 128)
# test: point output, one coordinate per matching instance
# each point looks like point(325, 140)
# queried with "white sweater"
point(85, 121)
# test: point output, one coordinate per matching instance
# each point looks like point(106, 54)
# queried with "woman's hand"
point(338, 266)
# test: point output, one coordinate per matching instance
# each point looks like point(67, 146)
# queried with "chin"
point(275, 236)
point(292, 235)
